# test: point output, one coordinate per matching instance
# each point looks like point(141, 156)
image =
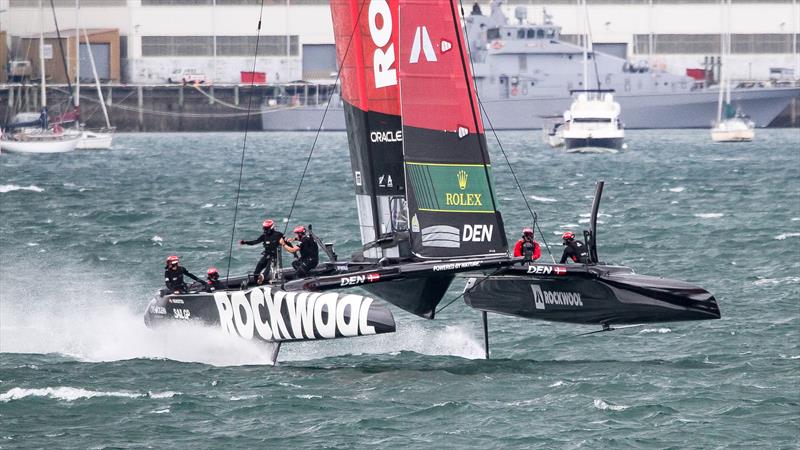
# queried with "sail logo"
point(264, 313)
point(383, 58)
point(445, 46)
point(459, 199)
point(477, 233)
point(441, 236)
point(462, 131)
point(542, 298)
point(386, 136)
point(422, 44)
point(462, 179)
point(546, 270)
point(355, 280)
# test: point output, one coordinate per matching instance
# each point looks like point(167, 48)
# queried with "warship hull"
point(695, 109)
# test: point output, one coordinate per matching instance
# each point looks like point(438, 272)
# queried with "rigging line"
point(533, 214)
point(594, 54)
point(244, 144)
point(61, 49)
point(485, 277)
point(322, 122)
point(470, 84)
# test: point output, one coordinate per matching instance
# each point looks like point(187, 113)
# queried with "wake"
point(79, 317)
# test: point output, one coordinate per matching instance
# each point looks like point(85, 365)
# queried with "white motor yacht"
point(592, 125)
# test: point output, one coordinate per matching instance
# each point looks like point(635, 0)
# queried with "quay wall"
point(175, 108)
point(155, 108)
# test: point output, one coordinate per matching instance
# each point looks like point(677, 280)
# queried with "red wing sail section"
point(366, 35)
point(448, 174)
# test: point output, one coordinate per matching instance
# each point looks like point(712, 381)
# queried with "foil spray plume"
point(84, 315)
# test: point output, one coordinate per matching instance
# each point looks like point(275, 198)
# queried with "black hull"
point(572, 144)
point(414, 286)
point(601, 295)
point(267, 314)
point(418, 296)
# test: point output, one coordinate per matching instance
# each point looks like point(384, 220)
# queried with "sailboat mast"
point(43, 85)
point(721, 61)
point(584, 34)
point(728, 51)
point(96, 78)
point(77, 57)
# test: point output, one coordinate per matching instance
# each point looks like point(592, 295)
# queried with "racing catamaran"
point(426, 206)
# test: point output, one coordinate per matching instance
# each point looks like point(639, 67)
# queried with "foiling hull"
point(593, 145)
point(416, 287)
point(600, 295)
point(267, 314)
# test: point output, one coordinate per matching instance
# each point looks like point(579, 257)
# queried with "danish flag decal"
point(422, 42)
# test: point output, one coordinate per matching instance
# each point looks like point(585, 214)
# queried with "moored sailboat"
point(731, 124)
point(98, 139)
point(37, 136)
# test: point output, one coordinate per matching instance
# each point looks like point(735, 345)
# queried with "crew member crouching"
point(213, 283)
point(574, 249)
point(309, 252)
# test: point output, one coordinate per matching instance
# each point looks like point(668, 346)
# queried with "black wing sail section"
point(366, 46)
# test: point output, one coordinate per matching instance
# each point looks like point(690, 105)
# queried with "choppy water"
point(84, 235)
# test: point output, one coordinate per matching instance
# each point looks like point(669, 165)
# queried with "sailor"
point(173, 276)
point(213, 283)
point(308, 249)
point(527, 246)
point(272, 239)
point(574, 250)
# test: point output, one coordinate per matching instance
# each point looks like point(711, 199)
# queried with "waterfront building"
point(216, 38)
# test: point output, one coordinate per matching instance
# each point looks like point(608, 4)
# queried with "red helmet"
point(527, 231)
point(300, 229)
point(172, 260)
point(213, 274)
point(568, 236)
point(267, 224)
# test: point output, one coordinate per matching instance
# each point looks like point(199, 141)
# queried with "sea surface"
point(83, 238)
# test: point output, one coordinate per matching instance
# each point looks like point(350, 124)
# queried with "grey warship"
point(524, 73)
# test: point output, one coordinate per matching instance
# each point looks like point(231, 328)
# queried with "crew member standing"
point(527, 246)
point(309, 252)
point(173, 275)
point(574, 250)
point(272, 239)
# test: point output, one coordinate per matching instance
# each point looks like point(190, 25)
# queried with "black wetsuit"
point(174, 279)
point(309, 257)
point(271, 241)
point(576, 251)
